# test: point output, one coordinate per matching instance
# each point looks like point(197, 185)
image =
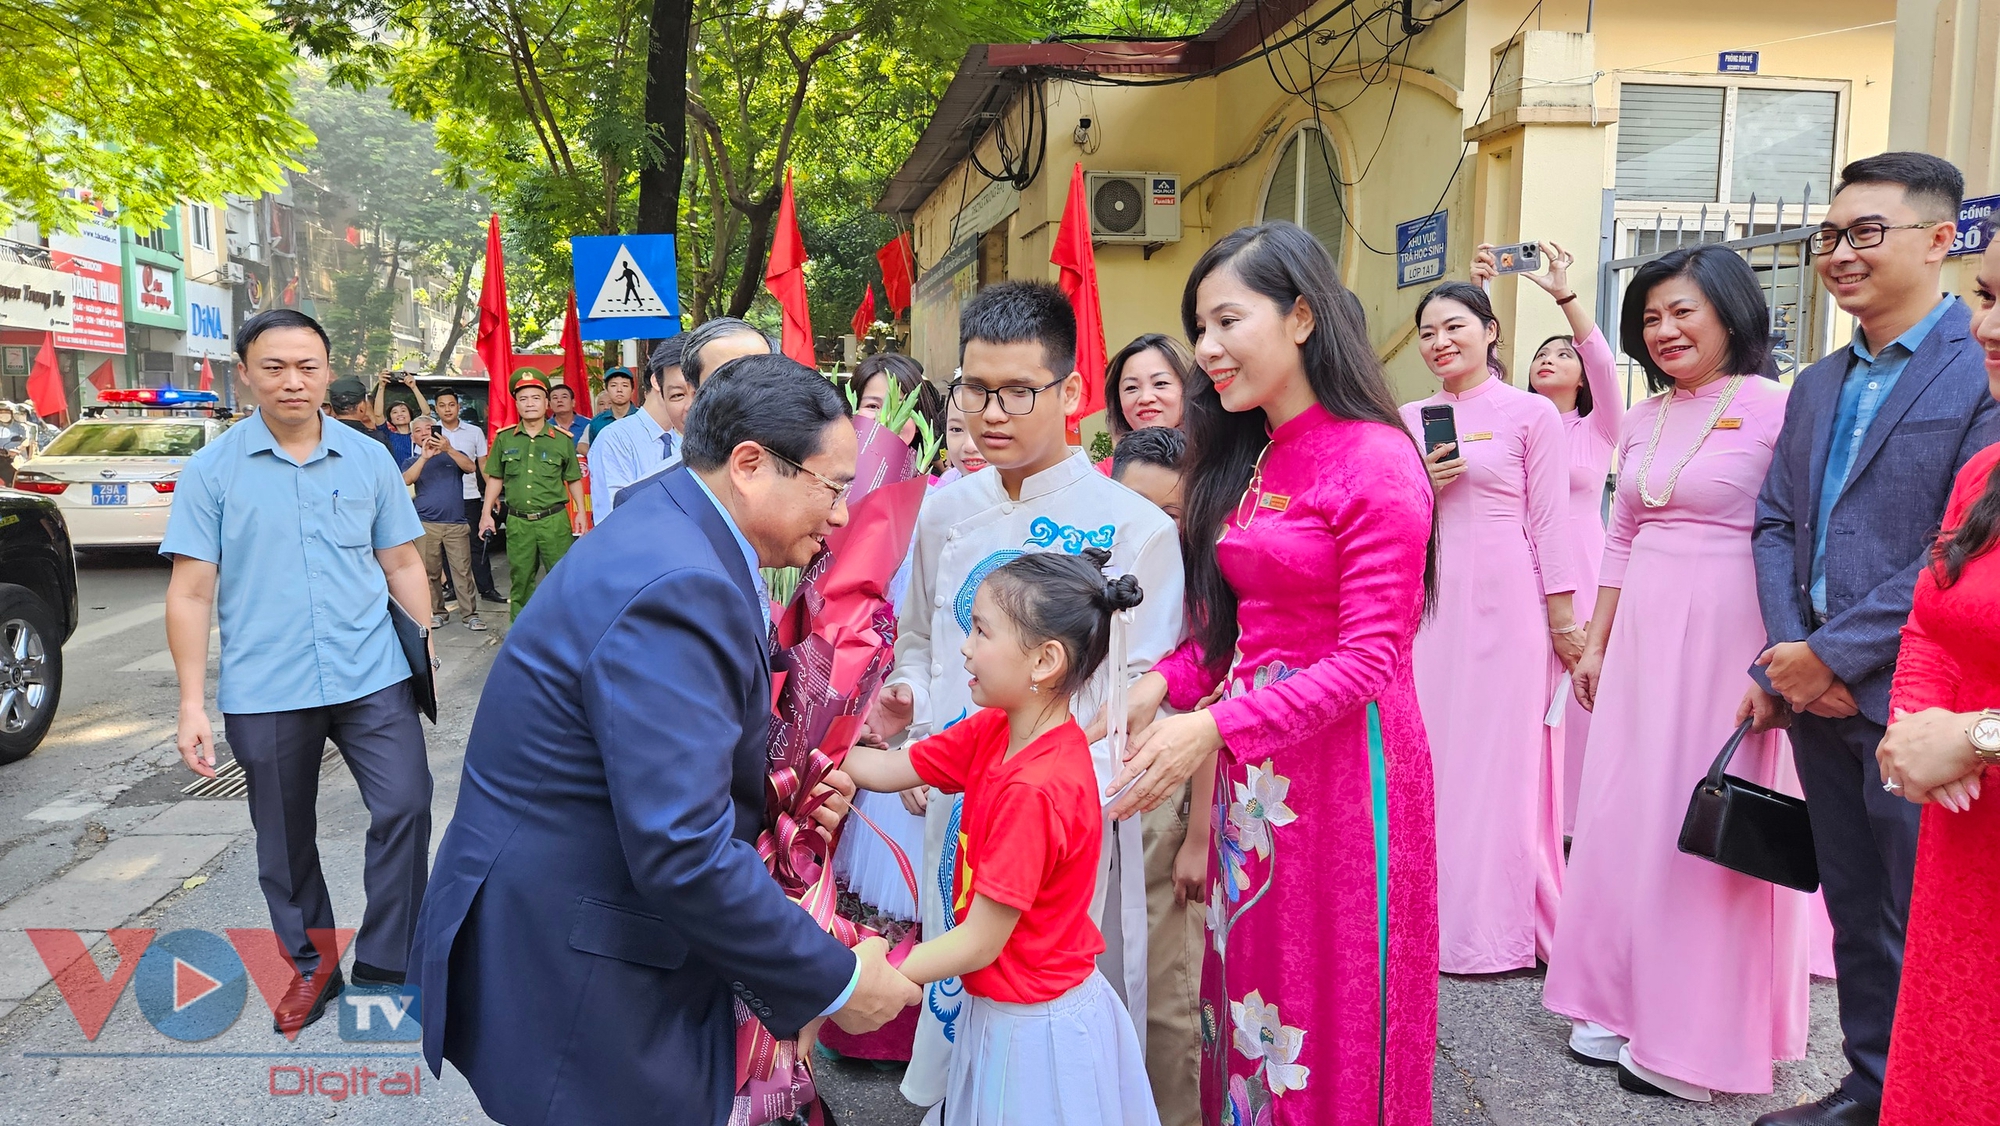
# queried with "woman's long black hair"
point(1979, 534)
point(1284, 263)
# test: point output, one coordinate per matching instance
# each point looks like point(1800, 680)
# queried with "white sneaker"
point(1642, 1081)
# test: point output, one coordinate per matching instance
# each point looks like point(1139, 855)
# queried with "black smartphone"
point(1440, 427)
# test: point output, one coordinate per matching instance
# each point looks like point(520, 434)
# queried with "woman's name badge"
point(1276, 502)
point(1481, 436)
point(1729, 424)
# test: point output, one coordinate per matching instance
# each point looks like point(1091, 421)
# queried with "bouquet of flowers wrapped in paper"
point(836, 644)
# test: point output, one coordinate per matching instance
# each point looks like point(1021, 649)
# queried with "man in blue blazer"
point(598, 909)
point(1873, 436)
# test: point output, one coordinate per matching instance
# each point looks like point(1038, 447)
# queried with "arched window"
point(1305, 188)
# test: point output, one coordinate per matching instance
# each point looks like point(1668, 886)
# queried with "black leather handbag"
point(1756, 831)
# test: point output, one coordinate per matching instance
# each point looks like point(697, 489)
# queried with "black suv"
point(38, 612)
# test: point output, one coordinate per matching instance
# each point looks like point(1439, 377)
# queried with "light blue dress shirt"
point(303, 602)
point(1870, 379)
point(626, 451)
point(764, 603)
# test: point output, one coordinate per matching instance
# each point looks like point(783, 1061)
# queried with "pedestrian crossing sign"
point(625, 286)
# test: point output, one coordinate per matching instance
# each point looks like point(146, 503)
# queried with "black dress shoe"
point(1837, 1109)
point(1630, 1080)
point(1589, 1061)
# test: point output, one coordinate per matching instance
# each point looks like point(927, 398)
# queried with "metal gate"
point(1798, 306)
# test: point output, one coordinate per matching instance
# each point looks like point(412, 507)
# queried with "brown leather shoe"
point(299, 1007)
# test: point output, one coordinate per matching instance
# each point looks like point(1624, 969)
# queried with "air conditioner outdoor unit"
point(233, 272)
point(1140, 207)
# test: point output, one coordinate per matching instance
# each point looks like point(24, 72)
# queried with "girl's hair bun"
point(1123, 593)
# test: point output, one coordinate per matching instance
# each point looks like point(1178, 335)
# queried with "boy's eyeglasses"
point(1860, 236)
point(839, 490)
point(972, 398)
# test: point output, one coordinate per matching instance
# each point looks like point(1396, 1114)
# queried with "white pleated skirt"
point(867, 866)
point(1073, 1061)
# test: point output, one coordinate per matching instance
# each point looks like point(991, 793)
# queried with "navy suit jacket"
point(1879, 536)
point(598, 898)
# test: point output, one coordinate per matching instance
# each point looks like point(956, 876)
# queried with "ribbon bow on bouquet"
point(836, 645)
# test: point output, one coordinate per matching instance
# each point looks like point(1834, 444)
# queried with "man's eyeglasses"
point(838, 490)
point(1860, 236)
point(972, 398)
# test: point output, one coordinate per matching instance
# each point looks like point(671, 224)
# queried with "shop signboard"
point(210, 327)
point(96, 288)
point(33, 298)
point(153, 295)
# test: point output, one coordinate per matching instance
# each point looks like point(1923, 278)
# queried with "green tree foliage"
point(378, 171)
point(141, 102)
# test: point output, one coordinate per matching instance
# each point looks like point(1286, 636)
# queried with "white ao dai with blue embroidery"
point(967, 530)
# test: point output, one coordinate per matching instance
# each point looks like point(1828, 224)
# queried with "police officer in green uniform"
point(536, 468)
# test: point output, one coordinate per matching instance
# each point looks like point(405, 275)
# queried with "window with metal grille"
point(1725, 144)
point(1305, 188)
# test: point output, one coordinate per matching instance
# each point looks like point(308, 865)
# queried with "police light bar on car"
point(157, 396)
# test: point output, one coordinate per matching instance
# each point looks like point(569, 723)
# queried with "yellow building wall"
point(1532, 184)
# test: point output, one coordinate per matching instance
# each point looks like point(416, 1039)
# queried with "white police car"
point(113, 478)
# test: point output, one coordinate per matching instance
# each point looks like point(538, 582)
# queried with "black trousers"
point(482, 563)
point(384, 748)
point(1866, 841)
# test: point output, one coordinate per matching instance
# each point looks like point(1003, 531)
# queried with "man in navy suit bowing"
point(598, 901)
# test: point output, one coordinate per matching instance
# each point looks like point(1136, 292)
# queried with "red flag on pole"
point(785, 277)
point(207, 375)
point(576, 377)
point(495, 342)
point(864, 317)
point(104, 378)
point(45, 386)
point(894, 258)
point(1073, 253)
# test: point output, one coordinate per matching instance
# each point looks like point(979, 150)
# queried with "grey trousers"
point(384, 748)
point(1865, 839)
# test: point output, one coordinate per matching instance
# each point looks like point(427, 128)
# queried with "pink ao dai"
point(1593, 438)
point(1486, 673)
point(1702, 969)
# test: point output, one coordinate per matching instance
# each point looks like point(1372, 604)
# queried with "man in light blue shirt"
point(647, 440)
point(295, 531)
point(1869, 380)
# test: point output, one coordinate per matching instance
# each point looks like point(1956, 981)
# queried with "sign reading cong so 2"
point(1420, 250)
point(1975, 219)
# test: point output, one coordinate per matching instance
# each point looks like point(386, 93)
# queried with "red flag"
point(104, 378)
point(207, 375)
point(1073, 253)
point(785, 277)
point(495, 343)
point(894, 258)
point(577, 378)
point(45, 385)
point(864, 317)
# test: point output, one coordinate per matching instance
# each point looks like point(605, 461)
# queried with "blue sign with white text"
point(1975, 219)
point(1420, 250)
point(626, 286)
point(1736, 62)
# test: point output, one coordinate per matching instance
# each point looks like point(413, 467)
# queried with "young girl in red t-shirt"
point(1044, 1041)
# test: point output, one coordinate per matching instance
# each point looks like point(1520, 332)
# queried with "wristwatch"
point(1985, 736)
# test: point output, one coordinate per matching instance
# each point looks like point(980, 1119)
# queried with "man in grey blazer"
point(1873, 436)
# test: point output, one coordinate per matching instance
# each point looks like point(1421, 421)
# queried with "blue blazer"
point(1878, 540)
point(598, 902)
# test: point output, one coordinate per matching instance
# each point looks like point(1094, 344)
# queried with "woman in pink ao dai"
point(1686, 976)
point(1490, 659)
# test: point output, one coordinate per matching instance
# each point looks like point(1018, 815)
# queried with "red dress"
point(1942, 1071)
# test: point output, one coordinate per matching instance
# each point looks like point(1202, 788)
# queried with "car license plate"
point(107, 494)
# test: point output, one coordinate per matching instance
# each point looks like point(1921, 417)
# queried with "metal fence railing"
point(1797, 304)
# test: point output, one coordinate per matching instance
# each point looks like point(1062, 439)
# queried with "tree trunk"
point(756, 249)
point(666, 116)
point(457, 319)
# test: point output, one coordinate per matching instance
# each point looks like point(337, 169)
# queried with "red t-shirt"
point(1031, 836)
